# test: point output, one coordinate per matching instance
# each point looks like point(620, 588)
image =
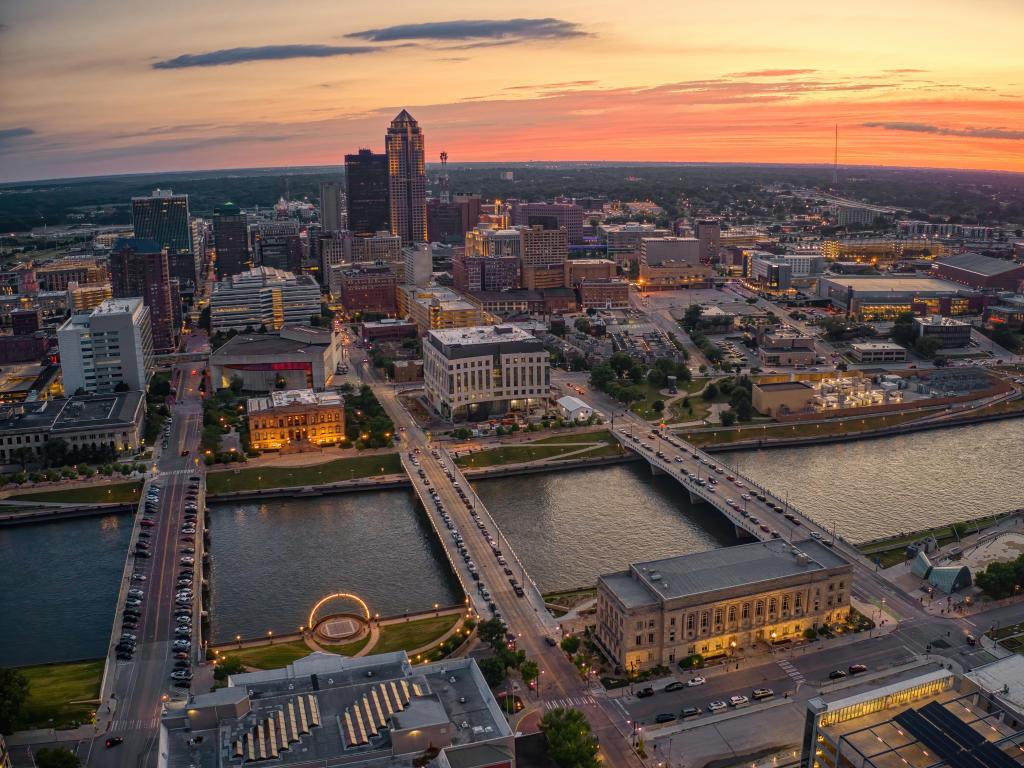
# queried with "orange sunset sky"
point(118, 87)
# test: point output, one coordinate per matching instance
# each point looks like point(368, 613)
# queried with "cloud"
point(902, 71)
point(489, 31)
point(938, 130)
point(774, 73)
point(548, 86)
point(260, 53)
point(8, 134)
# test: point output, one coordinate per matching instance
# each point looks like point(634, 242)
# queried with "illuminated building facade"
point(294, 418)
point(263, 296)
point(407, 179)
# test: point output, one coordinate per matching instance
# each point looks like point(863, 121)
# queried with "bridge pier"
point(655, 470)
point(695, 498)
point(742, 533)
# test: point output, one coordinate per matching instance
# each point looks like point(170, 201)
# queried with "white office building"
point(111, 344)
point(263, 296)
point(419, 265)
point(481, 371)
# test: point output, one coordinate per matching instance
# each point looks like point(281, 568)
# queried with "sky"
point(109, 86)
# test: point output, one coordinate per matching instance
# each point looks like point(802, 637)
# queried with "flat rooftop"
point(908, 284)
point(782, 386)
point(877, 346)
point(481, 334)
point(978, 264)
point(720, 569)
point(263, 345)
point(71, 414)
point(293, 397)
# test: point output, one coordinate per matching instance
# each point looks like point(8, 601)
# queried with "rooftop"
point(267, 344)
point(71, 414)
point(938, 320)
point(781, 386)
point(720, 569)
point(877, 346)
point(293, 397)
point(902, 284)
point(481, 334)
point(979, 265)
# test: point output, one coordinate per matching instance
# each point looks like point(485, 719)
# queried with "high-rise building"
point(164, 217)
point(366, 192)
point(231, 240)
point(568, 216)
point(110, 345)
point(263, 296)
point(444, 222)
point(332, 206)
point(334, 248)
point(709, 234)
point(139, 267)
point(382, 246)
point(407, 179)
point(419, 264)
point(367, 289)
point(277, 244)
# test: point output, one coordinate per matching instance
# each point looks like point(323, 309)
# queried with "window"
point(732, 614)
point(718, 617)
point(797, 599)
point(759, 609)
point(650, 637)
point(689, 622)
point(704, 620)
point(746, 611)
point(785, 603)
point(773, 605)
point(639, 639)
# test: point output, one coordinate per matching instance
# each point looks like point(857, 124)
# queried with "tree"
point(658, 406)
point(121, 386)
point(231, 665)
point(636, 373)
point(529, 671)
point(55, 451)
point(620, 363)
point(601, 375)
point(744, 409)
point(23, 456)
point(57, 757)
point(570, 644)
point(692, 316)
point(927, 346)
point(570, 742)
point(491, 632)
point(13, 695)
point(582, 325)
point(728, 418)
point(903, 330)
point(710, 391)
point(493, 669)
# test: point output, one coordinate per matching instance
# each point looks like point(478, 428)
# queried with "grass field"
point(62, 695)
point(849, 426)
point(892, 551)
point(289, 477)
point(600, 436)
point(409, 635)
point(270, 656)
point(515, 454)
point(347, 649)
point(90, 494)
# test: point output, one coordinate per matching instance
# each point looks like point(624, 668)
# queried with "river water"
point(272, 560)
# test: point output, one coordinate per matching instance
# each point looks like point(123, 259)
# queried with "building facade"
point(950, 332)
point(368, 288)
point(141, 268)
point(59, 274)
point(295, 418)
point(366, 192)
point(297, 357)
point(230, 240)
point(332, 206)
point(407, 179)
point(110, 345)
point(878, 352)
point(437, 307)
point(712, 603)
point(263, 296)
point(603, 294)
point(553, 216)
point(476, 372)
point(164, 218)
point(782, 345)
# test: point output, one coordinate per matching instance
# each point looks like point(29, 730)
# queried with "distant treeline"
point(972, 197)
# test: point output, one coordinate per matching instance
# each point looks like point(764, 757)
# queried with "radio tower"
point(444, 178)
point(835, 161)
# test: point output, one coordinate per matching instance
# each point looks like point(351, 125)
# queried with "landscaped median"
point(269, 476)
point(582, 445)
point(114, 493)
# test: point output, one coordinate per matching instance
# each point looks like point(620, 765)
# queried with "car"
point(550, 640)
point(124, 656)
point(762, 693)
point(180, 655)
point(688, 712)
point(695, 681)
point(856, 669)
point(836, 674)
point(717, 705)
point(674, 686)
point(147, 523)
point(182, 664)
point(643, 693)
point(738, 701)
point(665, 717)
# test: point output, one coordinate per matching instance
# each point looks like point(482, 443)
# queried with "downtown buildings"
point(107, 349)
point(407, 179)
point(140, 267)
point(263, 296)
point(366, 192)
point(164, 218)
point(231, 240)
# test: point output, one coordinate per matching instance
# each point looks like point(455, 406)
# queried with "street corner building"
point(296, 420)
point(483, 371)
point(719, 602)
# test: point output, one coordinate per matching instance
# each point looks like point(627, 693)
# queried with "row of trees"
point(621, 376)
point(1001, 580)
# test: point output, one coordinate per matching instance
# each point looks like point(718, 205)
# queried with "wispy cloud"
point(550, 86)
point(938, 130)
point(774, 72)
point(903, 71)
point(9, 134)
point(260, 53)
point(480, 31)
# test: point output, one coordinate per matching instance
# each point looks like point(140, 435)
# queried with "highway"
point(135, 689)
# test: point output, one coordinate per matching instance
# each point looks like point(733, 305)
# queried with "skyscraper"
point(164, 217)
point(332, 206)
point(407, 179)
point(366, 192)
point(139, 268)
point(231, 240)
point(106, 347)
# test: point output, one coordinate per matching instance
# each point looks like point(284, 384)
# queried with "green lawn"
point(849, 426)
point(347, 649)
point(645, 408)
point(288, 477)
point(600, 436)
point(54, 689)
point(270, 656)
point(515, 454)
point(90, 494)
point(409, 635)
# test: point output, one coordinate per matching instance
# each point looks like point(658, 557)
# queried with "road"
point(137, 687)
point(559, 680)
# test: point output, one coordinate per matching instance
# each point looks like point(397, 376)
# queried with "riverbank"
point(723, 440)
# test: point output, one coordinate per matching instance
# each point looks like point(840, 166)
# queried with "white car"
point(738, 701)
point(695, 681)
point(716, 705)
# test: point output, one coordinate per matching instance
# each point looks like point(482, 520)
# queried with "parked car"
point(675, 686)
point(665, 717)
point(643, 693)
point(856, 669)
point(717, 705)
point(836, 674)
point(695, 681)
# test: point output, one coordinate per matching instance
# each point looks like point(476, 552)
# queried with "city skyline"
point(572, 83)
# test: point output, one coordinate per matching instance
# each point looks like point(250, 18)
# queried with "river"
point(272, 560)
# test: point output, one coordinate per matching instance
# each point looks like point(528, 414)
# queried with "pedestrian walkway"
point(794, 673)
point(571, 702)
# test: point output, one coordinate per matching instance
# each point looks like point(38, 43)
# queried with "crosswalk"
point(792, 671)
point(141, 724)
point(572, 702)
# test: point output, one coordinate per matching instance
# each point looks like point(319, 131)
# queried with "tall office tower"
point(334, 249)
point(709, 233)
point(407, 179)
point(419, 264)
point(366, 192)
point(164, 217)
point(278, 244)
point(107, 346)
point(332, 206)
point(230, 240)
point(139, 268)
point(551, 216)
